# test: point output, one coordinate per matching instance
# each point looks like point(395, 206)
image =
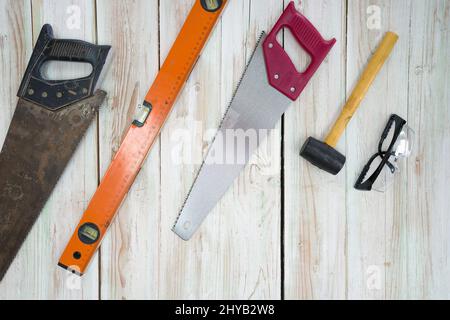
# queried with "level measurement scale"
point(141, 135)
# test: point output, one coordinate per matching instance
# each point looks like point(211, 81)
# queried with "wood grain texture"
point(315, 220)
point(47, 238)
point(339, 243)
point(15, 49)
point(368, 75)
point(70, 20)
point(215, 264)
point(183, 270)
point(129, 253)
point(427, 222)
point(371, 216)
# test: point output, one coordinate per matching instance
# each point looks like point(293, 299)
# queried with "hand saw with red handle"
point(268, 87)
point(141, 135)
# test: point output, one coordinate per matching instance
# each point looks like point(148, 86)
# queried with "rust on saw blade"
point(38, 146)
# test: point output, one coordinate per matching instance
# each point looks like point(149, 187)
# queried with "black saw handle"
point(56, 94)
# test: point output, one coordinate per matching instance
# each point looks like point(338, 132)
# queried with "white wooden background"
point(293, 232)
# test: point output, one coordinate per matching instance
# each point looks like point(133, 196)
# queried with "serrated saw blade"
point(51, 118)
point(38, 146)
point(255, 108)
point(269, 85)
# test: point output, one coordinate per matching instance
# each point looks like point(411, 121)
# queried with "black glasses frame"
point(366, 185)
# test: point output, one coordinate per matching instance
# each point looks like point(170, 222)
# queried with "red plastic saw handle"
point(281, 72)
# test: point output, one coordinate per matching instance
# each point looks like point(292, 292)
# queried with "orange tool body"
point(141, 135)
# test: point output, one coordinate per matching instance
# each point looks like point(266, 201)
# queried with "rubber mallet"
point(323, 154)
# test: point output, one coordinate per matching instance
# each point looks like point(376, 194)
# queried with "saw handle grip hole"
point(283, 68)
point(299, 57)
point(55, 70)
point(61, 71)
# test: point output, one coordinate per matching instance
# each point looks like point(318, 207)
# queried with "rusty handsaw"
point(50, 119)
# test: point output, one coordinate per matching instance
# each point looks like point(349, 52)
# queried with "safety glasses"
point(395, 144)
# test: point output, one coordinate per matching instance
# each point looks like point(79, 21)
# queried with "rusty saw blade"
point(50, 120)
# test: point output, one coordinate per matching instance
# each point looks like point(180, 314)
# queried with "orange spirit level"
point(141, 135)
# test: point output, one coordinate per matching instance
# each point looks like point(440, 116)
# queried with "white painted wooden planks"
point(129, 253)
point(187, 270)
point(372, 239)
point(315, 220)
point(43, 279)
point(338, 243)
point(15, 49)
point(427, 221)
point(216, 263)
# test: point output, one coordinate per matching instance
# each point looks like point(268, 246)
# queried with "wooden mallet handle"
point(359, 92)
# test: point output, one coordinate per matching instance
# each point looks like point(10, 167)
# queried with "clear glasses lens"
point(401, 150)
point(404, 143)
point(386, 176)
point(379, 173)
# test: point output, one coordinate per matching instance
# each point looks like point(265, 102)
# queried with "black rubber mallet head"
point(323, 154)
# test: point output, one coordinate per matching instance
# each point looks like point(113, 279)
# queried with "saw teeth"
point(262, 35)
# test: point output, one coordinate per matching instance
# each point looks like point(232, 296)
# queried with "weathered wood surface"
point(372, 217)
point(285, 229)
point(314, 200)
